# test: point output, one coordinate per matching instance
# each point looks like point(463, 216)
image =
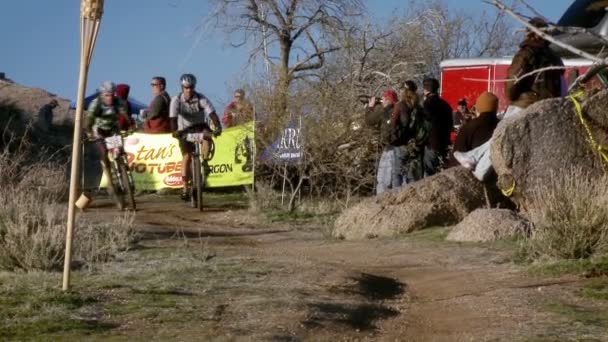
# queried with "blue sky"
point(142, 38)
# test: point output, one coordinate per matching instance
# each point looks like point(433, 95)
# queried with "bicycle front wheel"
point(197, 184)
point(114, 187)
point(127, 188)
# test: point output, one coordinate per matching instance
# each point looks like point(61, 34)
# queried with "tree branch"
point(543, 34)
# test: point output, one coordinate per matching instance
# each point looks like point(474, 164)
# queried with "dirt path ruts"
point(404, 290)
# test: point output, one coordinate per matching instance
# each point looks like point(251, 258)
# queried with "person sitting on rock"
point(479, 130)
point(523, 88)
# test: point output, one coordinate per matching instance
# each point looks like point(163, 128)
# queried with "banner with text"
point(155, 159)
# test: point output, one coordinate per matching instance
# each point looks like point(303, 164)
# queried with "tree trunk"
point(282, 88)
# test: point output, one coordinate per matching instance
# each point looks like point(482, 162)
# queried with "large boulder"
point(531, 148)
point(443, 199)
point(486, 225)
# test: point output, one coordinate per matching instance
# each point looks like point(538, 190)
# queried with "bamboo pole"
point(91, 12)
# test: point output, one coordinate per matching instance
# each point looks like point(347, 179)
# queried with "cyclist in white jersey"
point(191, 112)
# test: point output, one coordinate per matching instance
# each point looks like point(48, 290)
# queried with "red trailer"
point(468, 78)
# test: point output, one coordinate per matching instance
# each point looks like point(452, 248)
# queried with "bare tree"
point(299, 31)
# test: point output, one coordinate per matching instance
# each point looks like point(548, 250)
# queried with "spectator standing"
point(462, 114)
point(440, 114)
point(45, 115)
point(410, 115)
point(239, 111)
point(156, 117)
point(378, 117)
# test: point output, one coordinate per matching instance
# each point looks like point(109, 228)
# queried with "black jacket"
point(440, 114)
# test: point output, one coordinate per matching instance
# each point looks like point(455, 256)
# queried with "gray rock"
point(485, 225)
point(443, 199)
point(528, 150)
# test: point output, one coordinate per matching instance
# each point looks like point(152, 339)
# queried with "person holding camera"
point(378, 118)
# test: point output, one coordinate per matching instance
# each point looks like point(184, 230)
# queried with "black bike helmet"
point(188, 80)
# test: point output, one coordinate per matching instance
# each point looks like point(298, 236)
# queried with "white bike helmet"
point(188, 80)
point(107, 87)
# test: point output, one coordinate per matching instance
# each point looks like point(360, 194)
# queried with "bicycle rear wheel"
point(127, 188)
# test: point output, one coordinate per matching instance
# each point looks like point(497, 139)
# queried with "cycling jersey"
point(105, 117)
point(190, 112)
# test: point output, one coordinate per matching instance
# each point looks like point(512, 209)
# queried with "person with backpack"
point(413, 128)
point(125, 122)
point(157, 116)
point(102, 118)
point(191, 112)
point(378, 118)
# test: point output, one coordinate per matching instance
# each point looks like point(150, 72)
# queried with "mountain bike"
point(120, 180)
point(199, 166)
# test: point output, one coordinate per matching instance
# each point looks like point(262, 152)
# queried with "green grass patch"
point(226, 200)
point(163, 289)
point(596, 289)
point(29, 307)
point(433, 234)
point(584, 315)
point(588, 267)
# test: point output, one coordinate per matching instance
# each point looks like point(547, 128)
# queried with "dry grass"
point(32, 218)
point(570, 217)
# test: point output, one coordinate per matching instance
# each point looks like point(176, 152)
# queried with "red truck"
point(468, 78)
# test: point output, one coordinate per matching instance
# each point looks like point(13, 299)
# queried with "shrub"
point(32, 219)
point(570, 217)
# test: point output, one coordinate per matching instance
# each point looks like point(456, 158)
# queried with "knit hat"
point(390, 95)
point(487, 103)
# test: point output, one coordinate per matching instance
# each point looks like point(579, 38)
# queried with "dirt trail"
point(394, 290)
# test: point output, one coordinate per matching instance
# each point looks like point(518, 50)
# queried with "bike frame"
point(115, 147)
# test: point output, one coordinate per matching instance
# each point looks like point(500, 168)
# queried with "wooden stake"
point(90, 19)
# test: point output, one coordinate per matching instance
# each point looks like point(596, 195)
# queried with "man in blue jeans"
point(378, 117)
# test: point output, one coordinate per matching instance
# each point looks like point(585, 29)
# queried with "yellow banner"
point(155, 160)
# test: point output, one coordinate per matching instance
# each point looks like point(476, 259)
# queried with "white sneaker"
point(465, 161)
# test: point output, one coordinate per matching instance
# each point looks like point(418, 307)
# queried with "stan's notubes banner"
point(156, 161)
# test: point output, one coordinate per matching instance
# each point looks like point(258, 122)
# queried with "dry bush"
point(264, 198)
point(12, 125)
point(32, 234)
point(570, 217)
point(100, 241)
point(32, 217)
